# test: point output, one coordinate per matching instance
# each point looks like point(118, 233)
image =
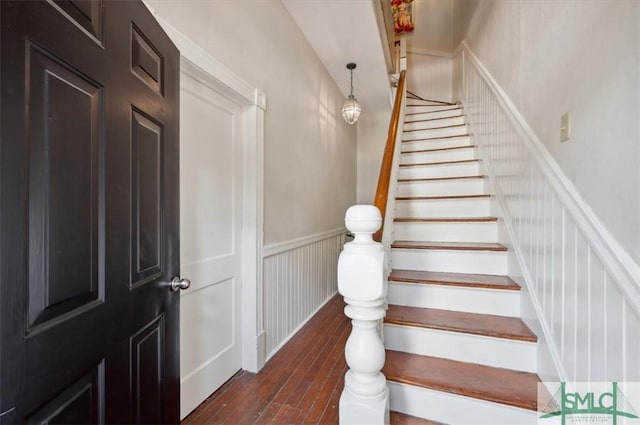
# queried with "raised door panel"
point(147, 373)
point(86, 14)
point(147, 62)
point(146, 177)
point(64, 132)
point(207, 169)
point(82, 402)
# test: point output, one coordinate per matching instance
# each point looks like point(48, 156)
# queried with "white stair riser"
point(445, 170)
point(465, 207)
point(438, 156)
point(427, 108)
point(415, 116)
point(435, 133)
point(496, 352)
point(446, 297)
point(436, 144)
point(442, 187)
point(447, 231)
point(433, 122)
point(450, 261)
point(454, 409)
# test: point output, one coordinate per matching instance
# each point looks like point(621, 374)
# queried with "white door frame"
point(198, 63)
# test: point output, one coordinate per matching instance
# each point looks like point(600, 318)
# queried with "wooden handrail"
point(382, 190)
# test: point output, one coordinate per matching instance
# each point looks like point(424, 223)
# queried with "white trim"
point(428, 52)
point(280, 247)
point(200, 58)
point(253, 347)
point(617, 261)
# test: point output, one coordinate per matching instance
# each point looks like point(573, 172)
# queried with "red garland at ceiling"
point(402, 11)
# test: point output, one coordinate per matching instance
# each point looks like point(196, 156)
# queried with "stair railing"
point(388, 167)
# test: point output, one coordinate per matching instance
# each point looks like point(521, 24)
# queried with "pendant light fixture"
point(351, 109)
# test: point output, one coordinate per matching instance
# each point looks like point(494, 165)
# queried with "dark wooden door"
point(88, 215)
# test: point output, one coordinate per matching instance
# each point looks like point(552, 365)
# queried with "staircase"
point(457, 352)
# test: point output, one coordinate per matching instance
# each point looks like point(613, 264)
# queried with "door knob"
point(178, 284)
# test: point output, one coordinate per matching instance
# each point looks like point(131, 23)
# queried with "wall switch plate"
point(565, 127)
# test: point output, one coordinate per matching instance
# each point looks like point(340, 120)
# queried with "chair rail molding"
point(584, 287)
point(280, 247)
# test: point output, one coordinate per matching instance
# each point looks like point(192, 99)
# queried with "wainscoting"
point(300, 276)
point(581, 283)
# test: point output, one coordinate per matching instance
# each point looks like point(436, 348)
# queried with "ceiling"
point(343, 31)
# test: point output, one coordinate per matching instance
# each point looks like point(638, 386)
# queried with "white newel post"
point(361, 280)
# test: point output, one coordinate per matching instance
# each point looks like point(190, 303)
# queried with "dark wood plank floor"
point(301, 384)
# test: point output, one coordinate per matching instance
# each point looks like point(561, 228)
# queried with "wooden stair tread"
point(398, 418)
point(504, 386)
point(437, 105)
point(429, 179)
point(457, 321)
point(434, 128)
point(461, 161)
point(437, 138)
point(454, 279)
point(427, 198)
point(456, 246)
point(441, 149)
point(445, 219)
point(412, 98)
point(432, 119)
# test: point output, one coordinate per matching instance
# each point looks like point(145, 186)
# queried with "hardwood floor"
point(301, 384)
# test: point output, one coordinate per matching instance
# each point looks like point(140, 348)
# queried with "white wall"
point(309, 152)
point(433, 26)
point(430, 76)
point(581, 57)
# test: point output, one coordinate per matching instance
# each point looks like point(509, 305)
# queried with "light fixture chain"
point(351, 82)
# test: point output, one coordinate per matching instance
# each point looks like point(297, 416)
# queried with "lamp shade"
point(351, 110)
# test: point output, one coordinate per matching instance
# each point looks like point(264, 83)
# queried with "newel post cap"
point(363, 219)
point(361, 263)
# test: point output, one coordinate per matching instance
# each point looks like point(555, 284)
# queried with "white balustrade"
point(362, 283)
